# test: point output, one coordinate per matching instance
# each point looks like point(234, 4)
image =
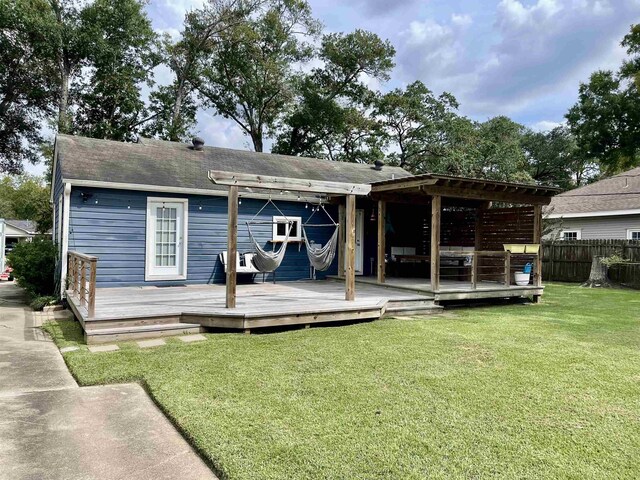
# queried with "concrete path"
point(52, 429)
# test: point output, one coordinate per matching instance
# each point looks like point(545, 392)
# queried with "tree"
point(416, 122)
point(554, 159)
point(26, 197)
point(333, 104)
point(248, 75)
point(26, 86)
point(122, 49)
point(173, 106)
point(606, 118)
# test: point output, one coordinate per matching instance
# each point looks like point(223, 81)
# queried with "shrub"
point(40, 302)
point(34, 265)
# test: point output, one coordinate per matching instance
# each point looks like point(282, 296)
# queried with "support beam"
point(350, 270)
point(341, 238)
point(507, 268)
point(436, 203)
point(537, 238)
point(232, 246)
point(382, 213)
point(285, 183)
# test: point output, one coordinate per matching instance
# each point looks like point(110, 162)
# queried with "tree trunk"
point(256, 137)
point(598, 275)
point(177, 110)
point(64, 125)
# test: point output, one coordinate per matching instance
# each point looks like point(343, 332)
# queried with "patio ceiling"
point(413, 189)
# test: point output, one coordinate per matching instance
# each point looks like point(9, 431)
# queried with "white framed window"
point(571, 234)
point(166, 238)
point(280, 229)
point(633, 234)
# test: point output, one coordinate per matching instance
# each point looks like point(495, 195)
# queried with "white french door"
point(166, 239)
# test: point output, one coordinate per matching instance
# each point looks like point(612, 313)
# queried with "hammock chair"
point(263, 260)
point(321, 257)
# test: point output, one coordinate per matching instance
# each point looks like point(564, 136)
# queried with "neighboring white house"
point(12, 232)
point(608, 209)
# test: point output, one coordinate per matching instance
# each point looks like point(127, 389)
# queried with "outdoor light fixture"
point(85, 196)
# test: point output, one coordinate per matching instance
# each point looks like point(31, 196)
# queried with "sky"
point(524, 59)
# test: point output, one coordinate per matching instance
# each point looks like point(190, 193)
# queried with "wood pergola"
point(235, 181)
point(432, 189)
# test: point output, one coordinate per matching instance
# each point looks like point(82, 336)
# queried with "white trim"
point(277, 219)
point(150, 244)
point(604, 213)
point(577, 231)
point(65, 237)
point(186, 191)
point(2, 245)
point(630, 232)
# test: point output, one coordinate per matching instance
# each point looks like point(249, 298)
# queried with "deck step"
point(119, 334)
point(412, 310)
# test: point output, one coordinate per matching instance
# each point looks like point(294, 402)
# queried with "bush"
point(39, 303)
point(34, 266)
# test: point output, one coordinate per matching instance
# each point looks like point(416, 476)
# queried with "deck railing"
point(496, 266)
point(78, 284)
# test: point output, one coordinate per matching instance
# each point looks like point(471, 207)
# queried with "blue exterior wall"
point(114, 229)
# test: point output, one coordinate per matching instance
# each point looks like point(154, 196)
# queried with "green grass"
point(519, 391)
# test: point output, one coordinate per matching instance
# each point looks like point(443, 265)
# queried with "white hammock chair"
point(321, 257)
point(263, 260)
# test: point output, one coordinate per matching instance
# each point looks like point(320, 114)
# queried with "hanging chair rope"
point(263, 260)
point(321, 257)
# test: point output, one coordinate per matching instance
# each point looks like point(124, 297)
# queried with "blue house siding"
point(112, 225)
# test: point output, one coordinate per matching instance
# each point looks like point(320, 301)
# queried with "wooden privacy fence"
point(570, 260)
point(82, 280)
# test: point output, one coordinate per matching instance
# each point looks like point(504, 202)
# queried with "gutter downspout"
point(2, 245)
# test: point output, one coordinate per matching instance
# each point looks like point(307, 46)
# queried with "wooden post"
point(507, 268)
point(232, 246)
point(71, 279)
point(92, 288)
point(537, 238)
point(382, 210)
point(341, 239)
point(436, 203)
point(350, 250)
point(474, 271)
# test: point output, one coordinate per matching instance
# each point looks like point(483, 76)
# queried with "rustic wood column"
point(232, 246)
point(350, 250)
point(436, 203)
point(382, 212)
point(537, 238)
point(341, 239)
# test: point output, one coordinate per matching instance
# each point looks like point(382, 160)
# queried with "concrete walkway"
point(52, 429)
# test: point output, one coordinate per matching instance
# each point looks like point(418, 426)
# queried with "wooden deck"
point(136, 312)
point(453, 290)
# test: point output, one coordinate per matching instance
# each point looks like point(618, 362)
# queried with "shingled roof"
point(177, 165)
point(25, 225)
point(619, 193)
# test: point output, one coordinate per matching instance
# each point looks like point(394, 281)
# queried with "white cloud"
point(545, 125)
point(461, 20)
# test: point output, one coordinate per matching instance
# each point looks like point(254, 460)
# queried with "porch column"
point(382, 211)
point(537, 238)
point(350, 251)
point(232, 245)
point(436, 203)
point(341, 239)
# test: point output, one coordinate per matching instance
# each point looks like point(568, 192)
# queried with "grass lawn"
point(520, 391)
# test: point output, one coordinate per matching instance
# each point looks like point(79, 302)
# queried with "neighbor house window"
point(280, 225)
point(633, 234)
point(571, 235)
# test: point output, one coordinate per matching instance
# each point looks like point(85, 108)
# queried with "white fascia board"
point(604, 213)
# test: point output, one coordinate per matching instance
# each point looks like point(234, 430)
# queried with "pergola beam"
point(285, 183)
